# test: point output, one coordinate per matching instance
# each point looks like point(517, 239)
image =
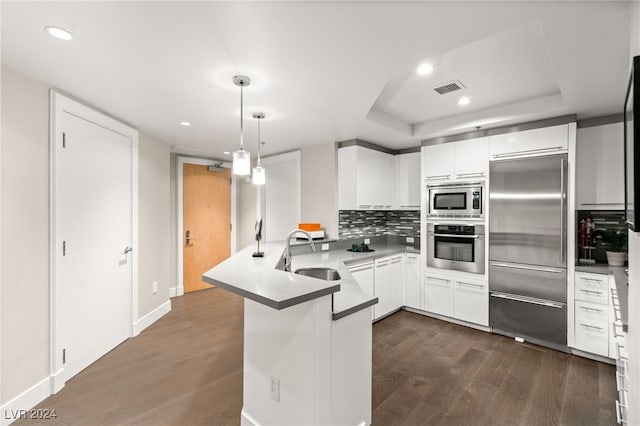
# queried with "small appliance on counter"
point(360, 248)
point(258, 230)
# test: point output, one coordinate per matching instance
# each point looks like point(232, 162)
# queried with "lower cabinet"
point(363, 274)
point(592, 323)
point(472, 301)
point(413, 287)
point(438, 295)
point(459, 297)
point(389, 284)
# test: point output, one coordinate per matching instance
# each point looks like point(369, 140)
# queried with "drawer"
point(591, 331)
point(591, 313)
point(592, 287)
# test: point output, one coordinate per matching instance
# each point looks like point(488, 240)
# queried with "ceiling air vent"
point(452, 86)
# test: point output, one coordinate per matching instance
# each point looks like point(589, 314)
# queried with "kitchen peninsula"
point(307, 341)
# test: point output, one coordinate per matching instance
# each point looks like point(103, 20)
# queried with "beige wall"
point(319, 186)
point(24, 316)
point(155, 223)
point(24, 313)
point(173, 225)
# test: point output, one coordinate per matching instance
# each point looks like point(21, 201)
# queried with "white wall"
point(24, 313)
point(155, 237)
point(282, 195)
point(24, 316)
point(319, 183)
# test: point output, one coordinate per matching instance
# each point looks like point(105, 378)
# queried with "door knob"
point(127, 250)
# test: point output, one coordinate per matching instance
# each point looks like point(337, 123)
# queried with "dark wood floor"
point(187, 369)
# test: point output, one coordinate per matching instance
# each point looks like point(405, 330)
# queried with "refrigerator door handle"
point(527, 267)
point(527, 300)
point(562, 213)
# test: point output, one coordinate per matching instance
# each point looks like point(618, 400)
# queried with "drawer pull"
point(471, 284)
point(619, 413)
point(591, 280)
point(591, 292)
point(622, 353)
point(437, 279)
point(588, 309)
point(592, 327)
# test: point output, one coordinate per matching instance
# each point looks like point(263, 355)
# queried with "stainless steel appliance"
point(456, 200)
point(456, 246)
point(527, 248)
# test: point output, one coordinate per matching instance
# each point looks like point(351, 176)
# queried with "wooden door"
point(207, 219)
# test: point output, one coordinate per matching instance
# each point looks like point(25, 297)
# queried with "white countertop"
point(258, 280)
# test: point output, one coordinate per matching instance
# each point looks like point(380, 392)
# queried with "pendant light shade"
point(259, 173)
point(241, 158)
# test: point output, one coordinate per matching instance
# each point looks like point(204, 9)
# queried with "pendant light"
point(241, 158)
point(259, 175)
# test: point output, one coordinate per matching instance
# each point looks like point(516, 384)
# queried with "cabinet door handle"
point(378, 206)
point(593, 327)
point(527, 151)
point(588, 309)
point(409, 206)
point(470, 175)
point(359, 268)
point(437, 279)
point(471, 284)
point(438, 177)
point(595, 280)
point(591, 292)
point(364, 206)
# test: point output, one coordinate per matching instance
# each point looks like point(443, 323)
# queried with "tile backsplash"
point(371, 223)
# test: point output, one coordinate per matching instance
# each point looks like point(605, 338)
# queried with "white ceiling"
point(324, 71)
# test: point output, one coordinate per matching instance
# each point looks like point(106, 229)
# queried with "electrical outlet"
point(367, 241)
point(410, 239)
point(154, 287)
point(325, 247)
point(275, 389)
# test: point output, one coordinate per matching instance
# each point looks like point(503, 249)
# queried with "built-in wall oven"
point(461, 200)
point(456, 246)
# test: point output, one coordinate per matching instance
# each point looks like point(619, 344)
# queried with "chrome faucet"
point(288, 257)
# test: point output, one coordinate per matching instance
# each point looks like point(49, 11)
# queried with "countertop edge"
point(352, 310)
point(278, 305)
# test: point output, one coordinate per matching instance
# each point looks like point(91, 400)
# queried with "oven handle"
point(475, 237)
point(527, 300)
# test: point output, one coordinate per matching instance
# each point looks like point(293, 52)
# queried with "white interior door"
point(282, 195)
point(93, 233)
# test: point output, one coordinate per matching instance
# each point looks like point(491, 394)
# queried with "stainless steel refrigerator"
point(527, 248)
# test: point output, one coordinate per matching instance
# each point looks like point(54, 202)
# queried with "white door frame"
point(181, 160)
point(60, 104)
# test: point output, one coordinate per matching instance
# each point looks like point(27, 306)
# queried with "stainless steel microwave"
point(456, 200)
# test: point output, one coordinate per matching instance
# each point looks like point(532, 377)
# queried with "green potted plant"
point(616, 240)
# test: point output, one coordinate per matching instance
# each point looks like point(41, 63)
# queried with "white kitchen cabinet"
point(591, 313)
point(363, 273)
point(600, 167)
point(407, 181)
point(439, 294)
point(439, 161)
point(472, 158)
point(527, 143)
point(389, 285)
point(365, 179)
point(465, 160)
point(413, 287)
point(472, 300)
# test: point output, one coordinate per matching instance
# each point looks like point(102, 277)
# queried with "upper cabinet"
point(527, 143)
point(407, 182)
point(600, 167)
point(466, 159)
point(365, 179)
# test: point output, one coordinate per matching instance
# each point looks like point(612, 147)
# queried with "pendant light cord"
point(259, 142)
point(241, 116)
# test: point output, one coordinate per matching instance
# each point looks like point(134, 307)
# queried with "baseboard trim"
point(246, 419)
point(18, 407)
point(176, 291)
point(448, 319)
point(151, 317)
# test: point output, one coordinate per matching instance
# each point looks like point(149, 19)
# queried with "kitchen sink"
point(326, 274)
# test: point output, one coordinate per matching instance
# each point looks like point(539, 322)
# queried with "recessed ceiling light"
point(425, 69)
point(185, 123)
point(464, 101)
point(227, 153)
point(58, 33)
